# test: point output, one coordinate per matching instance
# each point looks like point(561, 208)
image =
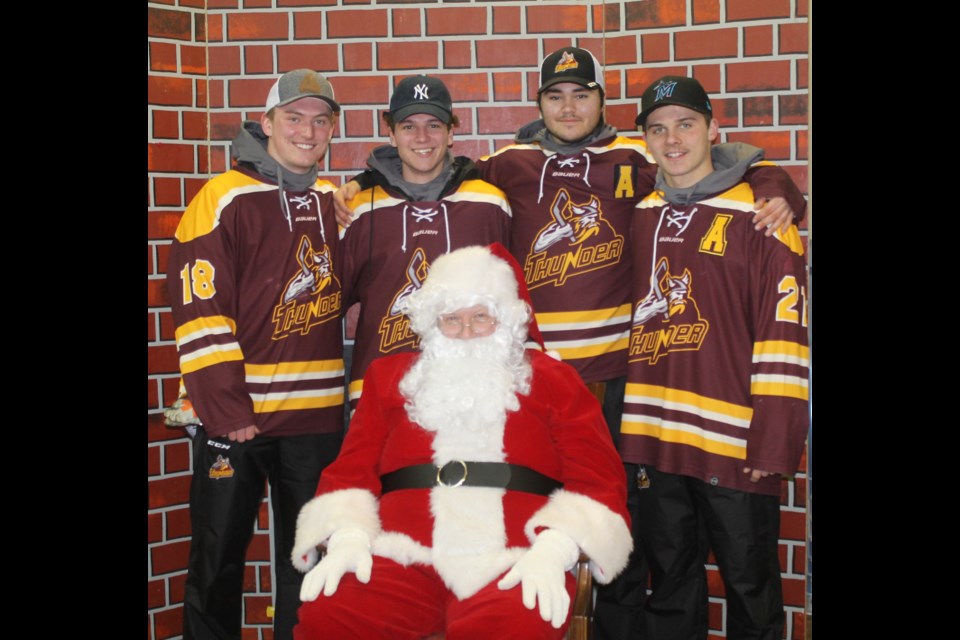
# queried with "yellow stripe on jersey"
point(297, 400)
point(588, 319)
point(639, 145)
point(781, 351)
point(356, 389)
point(791, 238)
point(369, 199)
point(589, 347)
point(682, 433)
point(480, 191)
point(293, 371)
point(205, 326)
point(677, 400)
point(765, 384)
point(209, 356)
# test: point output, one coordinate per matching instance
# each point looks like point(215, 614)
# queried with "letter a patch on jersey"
point(624, 181)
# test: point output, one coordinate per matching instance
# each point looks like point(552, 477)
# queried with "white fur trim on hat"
point(329, 512)
point(599, 532)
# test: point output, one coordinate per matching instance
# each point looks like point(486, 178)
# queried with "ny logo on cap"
point(664, 90)
point(420, 92)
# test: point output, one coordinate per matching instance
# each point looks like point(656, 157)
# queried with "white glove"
point(541, 572)
point(347, 550)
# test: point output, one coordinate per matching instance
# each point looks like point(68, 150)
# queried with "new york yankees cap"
point(300, 83)
point(571, 64)
point(679, 90)
point(421, 94)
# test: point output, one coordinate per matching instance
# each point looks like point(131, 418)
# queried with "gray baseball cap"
point(300, 83)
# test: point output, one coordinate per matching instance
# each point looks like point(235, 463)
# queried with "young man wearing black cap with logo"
point(420, 204)
point(716, 402)
point(256, 305)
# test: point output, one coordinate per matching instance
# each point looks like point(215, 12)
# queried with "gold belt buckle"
point(460, 481)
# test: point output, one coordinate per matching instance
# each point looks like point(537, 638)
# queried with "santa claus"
point(472, 476)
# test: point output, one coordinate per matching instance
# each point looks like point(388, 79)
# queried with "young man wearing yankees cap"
point(716, 406)
point(257, 310)
point(421, 203)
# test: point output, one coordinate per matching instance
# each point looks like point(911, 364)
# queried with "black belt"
point(457, 473)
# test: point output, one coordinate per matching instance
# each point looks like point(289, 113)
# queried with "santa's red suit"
point(468, 536)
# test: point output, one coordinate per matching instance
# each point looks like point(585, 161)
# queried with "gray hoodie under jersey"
point(730, 161)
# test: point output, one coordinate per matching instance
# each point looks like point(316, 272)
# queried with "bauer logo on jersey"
point(577, 240)
point(311, 296)
point(221, 468)
point(395, 327)
point(668, 318)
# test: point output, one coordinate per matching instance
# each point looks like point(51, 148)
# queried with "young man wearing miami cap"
point(257, 310)
point(421, 203)
point(716, 402)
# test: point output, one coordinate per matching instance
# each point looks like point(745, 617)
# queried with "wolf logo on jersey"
point(669, 297)
point(303, 304)
point(575, 223)
point(395, 328)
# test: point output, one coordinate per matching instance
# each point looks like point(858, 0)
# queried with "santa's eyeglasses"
point(479, 323)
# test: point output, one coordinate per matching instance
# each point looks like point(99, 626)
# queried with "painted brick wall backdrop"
point(211, 62)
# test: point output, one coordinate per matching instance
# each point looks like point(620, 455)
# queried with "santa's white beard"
point(462, 390)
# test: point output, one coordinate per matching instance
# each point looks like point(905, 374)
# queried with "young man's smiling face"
point(422, 141)
point(679, 139)
point(299, 133)
point(570, 111)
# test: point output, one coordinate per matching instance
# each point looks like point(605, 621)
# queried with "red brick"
point(168, 492)
point(162, 224)
point(506, 20)
point(606, 17)
point(775, 144)
point(308, 25)
point(706, 11)
point(794, 592)
point(802, 73)
point(758, 41)
point(799, 625)
point(456, 21)
point(362, 90)
point(156, 594)
point(157, 431)
point(727, 112)
point(192, 186)
point(250, 578)
point(794, 37)
point(758, 76)
point(612, 50)
point(319, 57)
point(793, 525)
point(259, 548)
point(263, 514)
point(176, 457)
point(154, 527)
point(169, 557)
point(757, 111)
point(224, 126)
point(225, 60)
point(802, 145)
point(549, 45)
point(170, 157)
point(356, 24)
point(249, 92)
point(507, 87)
point(255, 609)
point(507, 53)
point(708, 75)
point(406, 22)
point(163, 56)
point(793, 109)
point(800, 492)
point(799, 559)
point(169, 623)
point(612, 84)
point(714, 616)
point(213, 26)
point(466, 87)
point(358, 124)
point(193, 59)
point(310, 3)
point(195, 125)
point(753, 9)
point(357, 1)
point(802, 10)
point(406, 55)
point(622, 116)
point(458, 54)
point(151, 316)
point(706, 43)
point(153, 401)
point(153, 453)
point(357, 56)
point(471, 148)
point(165, 124)
point(162, 358)
point(169, 91)
point(165, 23)
point(655, 47)
point(504, 120)
point(171, 388)
point(221, 4)
point(552, 18)
point(798, 173)
point(178, 523)
point(715, 585)
point(351, 156)
point(266, 578)
point(639, 78)
point(655, 14)
point(257, 25)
